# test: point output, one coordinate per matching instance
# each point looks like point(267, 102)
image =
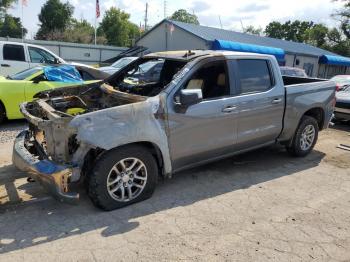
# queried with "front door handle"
point(229, 109)
point(5, 65)
point(276, 101)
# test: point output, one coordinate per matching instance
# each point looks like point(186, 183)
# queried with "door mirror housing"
point(188, 97)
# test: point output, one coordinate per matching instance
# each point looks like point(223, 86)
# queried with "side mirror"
point(188, 97)
point(36, 81)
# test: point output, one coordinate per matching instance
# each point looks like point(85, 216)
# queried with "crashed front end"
point(49, 150)
point(45, 150)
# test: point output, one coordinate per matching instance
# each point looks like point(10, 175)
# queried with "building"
point(72, 52)
point(173, 35)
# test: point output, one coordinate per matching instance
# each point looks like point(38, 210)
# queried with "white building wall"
point(308, 63)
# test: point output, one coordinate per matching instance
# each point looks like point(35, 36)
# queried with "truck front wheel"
point(123, 176)
point(304, 138)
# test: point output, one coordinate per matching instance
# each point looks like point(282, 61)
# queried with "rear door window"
point(254, 75)
point(13, 52)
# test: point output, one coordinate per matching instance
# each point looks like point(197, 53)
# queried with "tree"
point(182, 15)
point(117, 28)
point(6, 3)
point(290, 31)
point(275, 30)
point(253, 31)
point(55, 17)
point(344, 16)
point(12, 27)
point(79, 32)
point(317, 35)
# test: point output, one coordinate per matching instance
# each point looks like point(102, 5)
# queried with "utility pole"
point(165, 9)
point(242, 25)
point(220, 21)
point(146, 17)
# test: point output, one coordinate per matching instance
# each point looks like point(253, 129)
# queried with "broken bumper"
point(52, 176)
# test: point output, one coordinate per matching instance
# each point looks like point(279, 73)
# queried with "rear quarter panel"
point(302, 97)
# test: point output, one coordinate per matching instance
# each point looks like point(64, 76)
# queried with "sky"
point(233, 14)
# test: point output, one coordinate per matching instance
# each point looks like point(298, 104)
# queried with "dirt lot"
point(260, 206)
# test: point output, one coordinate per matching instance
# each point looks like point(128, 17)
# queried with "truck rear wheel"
point(122, 177)
point(304, 138)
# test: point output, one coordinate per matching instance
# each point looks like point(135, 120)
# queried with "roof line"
point(170, 21)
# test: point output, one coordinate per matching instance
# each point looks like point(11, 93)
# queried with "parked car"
point(342, 81)
point(205, 105)
point(16, 57)
point(293, 71)
point(115, 67)
point(342, 107)
point(147, 72)
point(23, 86)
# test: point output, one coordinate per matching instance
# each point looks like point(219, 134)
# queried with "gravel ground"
point(10, 129)
point(261, 206)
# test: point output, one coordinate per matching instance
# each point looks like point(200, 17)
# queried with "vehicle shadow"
point(28, 224)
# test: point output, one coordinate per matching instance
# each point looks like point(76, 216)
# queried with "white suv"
point(15, 57)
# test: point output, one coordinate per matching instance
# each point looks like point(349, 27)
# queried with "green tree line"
point(334, 39)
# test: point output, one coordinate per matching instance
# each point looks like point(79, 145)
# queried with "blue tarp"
point(64, 73)
point(240, 47)
point(334, 60)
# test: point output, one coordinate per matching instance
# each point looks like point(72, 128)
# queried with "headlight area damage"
point(53, 150)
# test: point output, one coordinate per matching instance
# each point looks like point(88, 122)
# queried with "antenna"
point(146, 16)
point(220, 21)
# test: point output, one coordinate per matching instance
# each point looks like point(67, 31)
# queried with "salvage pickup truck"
point(204, 106)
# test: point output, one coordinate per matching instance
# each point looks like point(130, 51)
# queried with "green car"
point(22, 86)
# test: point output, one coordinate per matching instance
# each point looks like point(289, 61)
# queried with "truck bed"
point(293, 80)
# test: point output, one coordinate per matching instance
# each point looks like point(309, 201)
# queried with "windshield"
point(25, 74)
point(147, 77)
point(123, 62)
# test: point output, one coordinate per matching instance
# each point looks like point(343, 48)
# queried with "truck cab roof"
point(188, 55)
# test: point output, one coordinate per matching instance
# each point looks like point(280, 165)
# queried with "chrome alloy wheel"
point(127, 179)
point(307, 137)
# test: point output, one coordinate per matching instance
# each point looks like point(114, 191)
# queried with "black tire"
point(2, 113)
point(97, 179)
point(295, 148)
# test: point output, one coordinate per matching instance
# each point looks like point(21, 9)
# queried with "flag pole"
point(95, 29)
point(22, 22)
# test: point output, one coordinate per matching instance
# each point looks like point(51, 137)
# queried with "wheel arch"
point(317, 113)
point(93, 155)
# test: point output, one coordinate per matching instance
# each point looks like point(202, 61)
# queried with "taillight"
point(337, 87)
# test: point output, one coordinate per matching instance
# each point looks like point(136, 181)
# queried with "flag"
point(98, 9)
point(24, 2)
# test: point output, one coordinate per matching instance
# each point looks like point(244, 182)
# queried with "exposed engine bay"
point(141, 79)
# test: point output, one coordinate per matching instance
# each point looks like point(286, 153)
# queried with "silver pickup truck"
point(120, 134)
